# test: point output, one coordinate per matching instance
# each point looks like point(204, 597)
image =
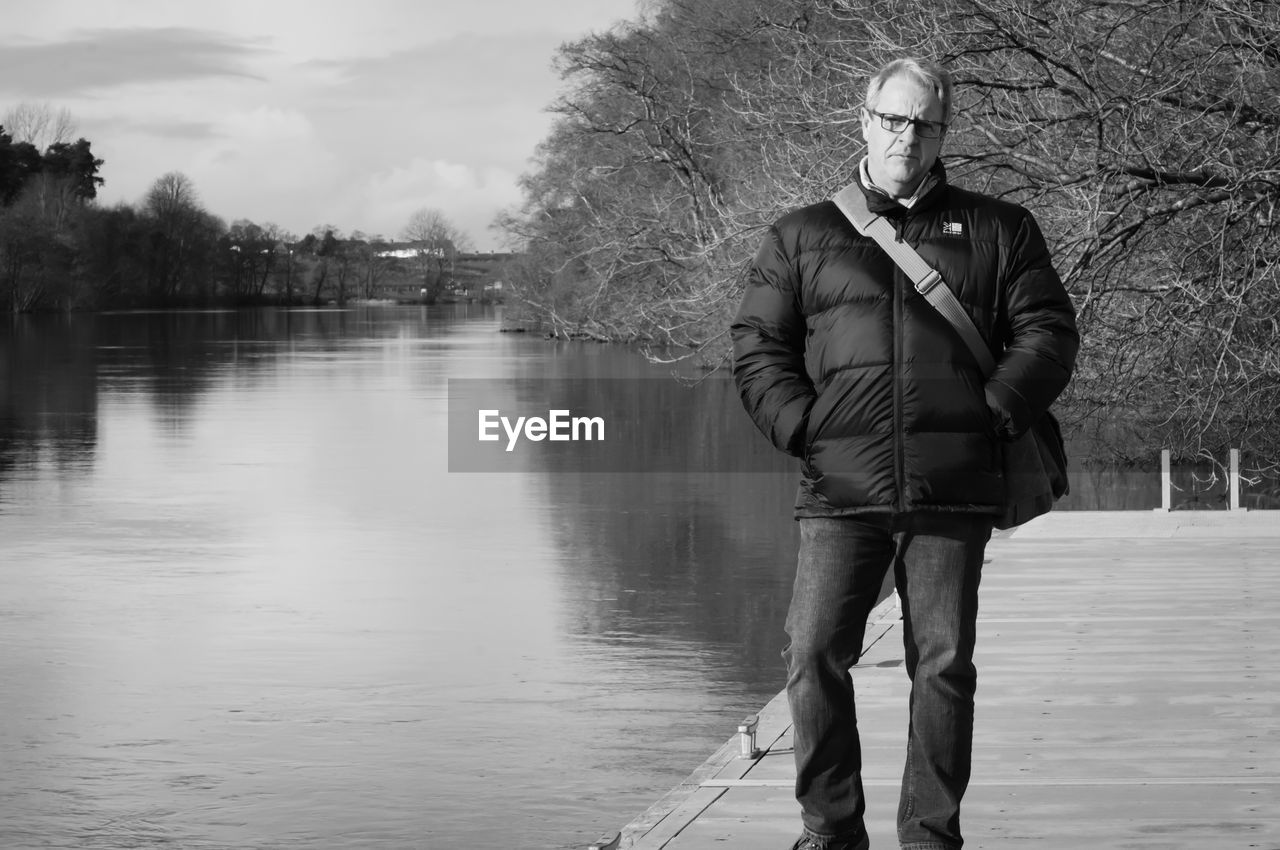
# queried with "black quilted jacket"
point(841, 363)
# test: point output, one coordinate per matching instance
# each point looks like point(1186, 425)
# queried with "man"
point(842, 364)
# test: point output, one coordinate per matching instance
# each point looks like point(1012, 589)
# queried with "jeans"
point(937, 564)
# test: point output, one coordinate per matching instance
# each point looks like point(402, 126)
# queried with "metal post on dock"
point(1234, 480)
point(747, 736)
point(607, 842)
point(1166, 481)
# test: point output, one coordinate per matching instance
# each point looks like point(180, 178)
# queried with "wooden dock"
point(1128, 697)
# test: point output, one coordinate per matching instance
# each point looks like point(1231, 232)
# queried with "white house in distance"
point(466, 275)
point(409, 250)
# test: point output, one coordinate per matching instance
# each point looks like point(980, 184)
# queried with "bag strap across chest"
point(926, 279)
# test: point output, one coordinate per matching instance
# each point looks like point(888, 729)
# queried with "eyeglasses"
point(898, 123)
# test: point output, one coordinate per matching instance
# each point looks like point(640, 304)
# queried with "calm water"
point(246, 605)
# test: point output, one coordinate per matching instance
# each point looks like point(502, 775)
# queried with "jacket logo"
point(953, 228)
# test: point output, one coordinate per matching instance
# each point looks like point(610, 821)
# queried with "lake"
point(266, 587)
point(247, 605)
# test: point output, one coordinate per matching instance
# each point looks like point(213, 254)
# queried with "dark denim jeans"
point(937, 563)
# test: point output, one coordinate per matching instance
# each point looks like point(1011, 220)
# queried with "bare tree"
point(323, 244)
point(179, 228)
point(370, 267)
point(40, 125)
point(434, 229)
point(437, 243)
point(281, 243)
point(1144, 133)
point(252, 256)
point(1151, 132)
point(631, 208)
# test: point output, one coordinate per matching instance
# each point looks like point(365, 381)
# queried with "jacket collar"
point(926, 194)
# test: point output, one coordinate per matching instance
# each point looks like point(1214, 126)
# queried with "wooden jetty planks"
point(688, 802)
point(1127, 699)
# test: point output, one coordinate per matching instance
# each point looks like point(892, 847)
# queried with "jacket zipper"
point(899, 449)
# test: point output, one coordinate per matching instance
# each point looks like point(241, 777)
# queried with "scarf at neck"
point(929, 180)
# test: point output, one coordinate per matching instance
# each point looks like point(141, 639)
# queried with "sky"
point(306, 113)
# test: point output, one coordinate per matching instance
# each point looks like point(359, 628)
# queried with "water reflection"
point(48, 396)
point(247, 606)
point(677, 556)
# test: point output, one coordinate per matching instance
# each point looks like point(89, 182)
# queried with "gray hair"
point(931, 75)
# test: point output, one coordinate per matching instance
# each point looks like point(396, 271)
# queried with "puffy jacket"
point(840, 362)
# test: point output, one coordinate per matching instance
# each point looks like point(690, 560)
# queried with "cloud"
point(266, 164)
point(478, 99)
point(165, 128)
point(95, 60)
point(266, 125)
point(468, 196)
point(467, 96)
point(460, 68)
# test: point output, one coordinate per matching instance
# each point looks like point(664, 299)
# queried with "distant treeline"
point(1144, 134)
point(61, 251)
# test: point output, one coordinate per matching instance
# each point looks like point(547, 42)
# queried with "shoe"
point(804, 842)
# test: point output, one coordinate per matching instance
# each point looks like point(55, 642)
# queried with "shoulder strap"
point(927, 281)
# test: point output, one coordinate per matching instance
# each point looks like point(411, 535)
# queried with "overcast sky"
point(305, 112)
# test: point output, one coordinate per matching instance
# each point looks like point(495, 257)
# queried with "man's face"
point(898, 161)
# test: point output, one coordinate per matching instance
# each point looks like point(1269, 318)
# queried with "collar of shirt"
point(864, 174)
